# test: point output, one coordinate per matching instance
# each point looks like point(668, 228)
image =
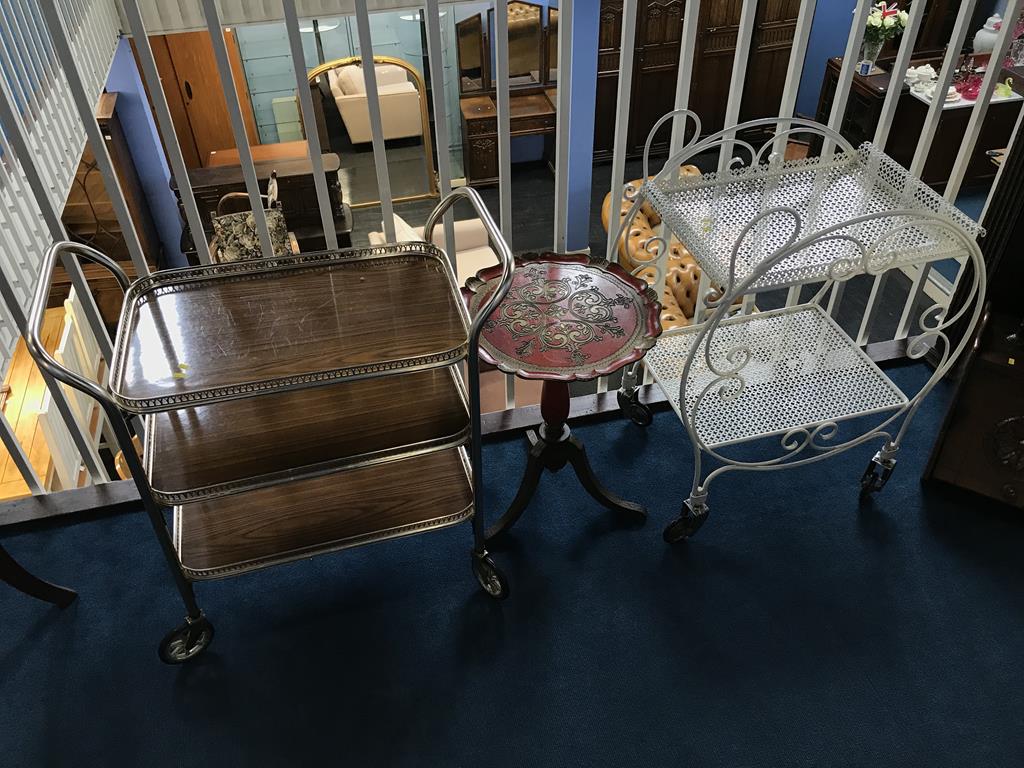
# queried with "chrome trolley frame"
point(190, 639)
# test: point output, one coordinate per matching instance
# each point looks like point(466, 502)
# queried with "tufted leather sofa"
point(683, 275)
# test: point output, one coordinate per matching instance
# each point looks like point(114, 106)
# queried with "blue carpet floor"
point(795, 629)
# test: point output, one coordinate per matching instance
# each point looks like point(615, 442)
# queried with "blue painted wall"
point(829, 33)
point(147, 152)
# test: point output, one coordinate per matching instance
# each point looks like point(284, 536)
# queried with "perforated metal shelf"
point(707, 214)
point(803, 370)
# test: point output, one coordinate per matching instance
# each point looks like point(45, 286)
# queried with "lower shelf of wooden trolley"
point(273, 525)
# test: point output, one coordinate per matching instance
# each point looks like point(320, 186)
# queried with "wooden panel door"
point(659, 29)
point(769, 58)
point(716, 46)
point(194, 73)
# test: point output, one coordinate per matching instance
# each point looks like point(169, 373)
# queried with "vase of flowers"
point(884, 23)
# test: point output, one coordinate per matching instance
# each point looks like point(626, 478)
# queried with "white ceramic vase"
point(985, 38)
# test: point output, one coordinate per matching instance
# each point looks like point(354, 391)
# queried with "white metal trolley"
point(763, 223)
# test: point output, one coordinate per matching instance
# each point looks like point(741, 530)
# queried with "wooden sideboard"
point(296, 191)
point(530, 114)
point(867, 95)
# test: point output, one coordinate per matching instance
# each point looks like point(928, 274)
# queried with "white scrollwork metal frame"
point(814, 440)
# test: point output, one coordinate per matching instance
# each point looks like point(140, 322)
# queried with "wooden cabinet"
point(188, 72)
point(656, 65)
point(530, 114)
point(867, 94)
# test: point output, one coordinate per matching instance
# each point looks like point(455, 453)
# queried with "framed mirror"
point(525, 43)
point(341, 90)
point(471, 54)
point(551, 68)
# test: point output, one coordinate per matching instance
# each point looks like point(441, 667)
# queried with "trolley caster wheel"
point(684, 526)
point(491, 580)
point(874, 478)
point(187, 641)
point(634, 410)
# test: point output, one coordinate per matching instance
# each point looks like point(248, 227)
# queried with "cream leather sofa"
point(399, 102)
point(472, 249)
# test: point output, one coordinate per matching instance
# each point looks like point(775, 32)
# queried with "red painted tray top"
point(565, 318)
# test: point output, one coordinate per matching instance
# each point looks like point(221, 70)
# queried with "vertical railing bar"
point(881, 138)
point(873, 307)
point(166, 123)
point(48, 77)
point(380, 160)
point(435, 53)
point(503, 98)
point(17, 453)
point(30, 119)
point(793, 295)
point(86, 113)
point(684, 77)
point(504, 110)
point(949, 63)
point(795, 68)
point(227, 84)
point(16, 136)
point(981, 104)
point(57, 96)
point(622, 99)
point(931, 124)
point(744, 37)
point(84, 53)
point(845, 82)
point(291, 21)
point(563, 124)
point(903, 57)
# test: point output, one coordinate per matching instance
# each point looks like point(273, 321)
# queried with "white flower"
point(889, 21)
point(875, 20)
point(903, 16)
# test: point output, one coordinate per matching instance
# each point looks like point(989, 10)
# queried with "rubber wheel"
point(491, 579)
point(187, 641)
point(683, 527)
point(870, 483)
point(634, 410)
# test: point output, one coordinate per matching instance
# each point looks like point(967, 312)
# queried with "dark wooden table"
point(565, 318)
point(530, 114)
point(296, 191)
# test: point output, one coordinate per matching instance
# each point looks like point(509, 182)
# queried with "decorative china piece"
point(985, 38)
point(1004, 90)
point(923, 74)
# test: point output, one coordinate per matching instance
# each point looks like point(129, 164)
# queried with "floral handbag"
point(238, 240)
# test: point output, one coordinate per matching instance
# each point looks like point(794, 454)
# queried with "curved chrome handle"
point(33, 338)
point(497, 242)
point(473, 361)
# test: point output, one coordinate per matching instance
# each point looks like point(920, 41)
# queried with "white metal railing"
point(40, 144)
point(58, 54)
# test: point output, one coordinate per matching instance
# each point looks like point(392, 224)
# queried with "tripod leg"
point(12, 573)
point(527, 487)
point(577, 456)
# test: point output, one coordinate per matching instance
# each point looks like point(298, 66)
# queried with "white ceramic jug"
point(985, 38)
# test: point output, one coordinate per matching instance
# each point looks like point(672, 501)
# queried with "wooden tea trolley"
point(295, 406)
point(762, 223)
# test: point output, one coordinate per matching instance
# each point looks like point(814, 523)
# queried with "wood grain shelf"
point(293, 520)
point(203, 334)
point(230, 447)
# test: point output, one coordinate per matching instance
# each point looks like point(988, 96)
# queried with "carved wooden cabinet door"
point(609, 38)
point(769, 58)
point(659, 29)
